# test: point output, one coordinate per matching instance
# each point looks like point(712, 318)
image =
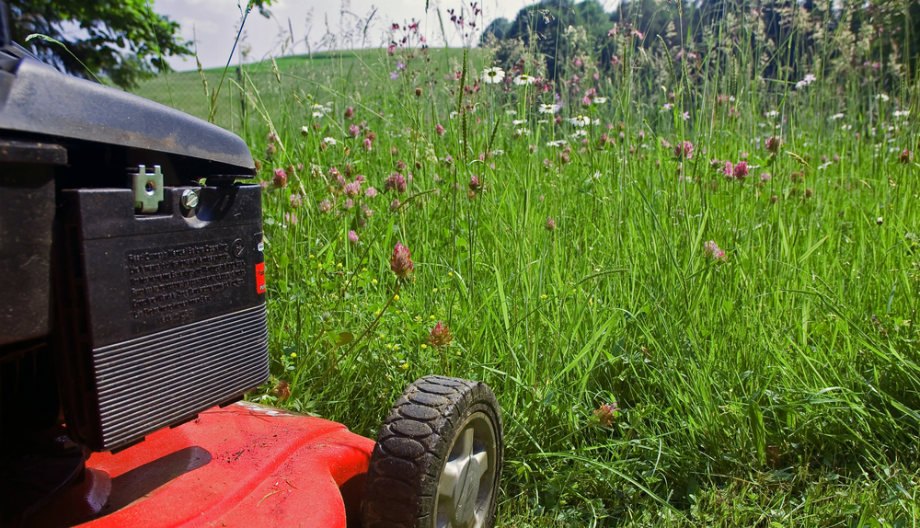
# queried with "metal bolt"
point(189, 198)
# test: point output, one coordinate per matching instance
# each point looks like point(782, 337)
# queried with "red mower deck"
point(243, 465)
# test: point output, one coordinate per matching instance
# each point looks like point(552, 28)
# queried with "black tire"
point(438, 458)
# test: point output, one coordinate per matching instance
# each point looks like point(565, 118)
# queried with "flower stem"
point(364, 333)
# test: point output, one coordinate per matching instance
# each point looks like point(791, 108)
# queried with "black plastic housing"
point(166, 311)
point(126, 319)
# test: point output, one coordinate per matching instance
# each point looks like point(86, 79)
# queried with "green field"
point(776, 384)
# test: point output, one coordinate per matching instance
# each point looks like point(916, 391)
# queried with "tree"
point(124, 41)
point(495, 31)
point(543, 26)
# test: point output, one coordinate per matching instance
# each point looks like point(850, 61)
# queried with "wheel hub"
point(464, 489)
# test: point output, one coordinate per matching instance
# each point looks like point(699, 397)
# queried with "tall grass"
point(777, 385)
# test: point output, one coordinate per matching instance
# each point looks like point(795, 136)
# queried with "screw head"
point(189, 198)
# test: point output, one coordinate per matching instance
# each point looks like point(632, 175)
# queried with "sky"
point(315, 25)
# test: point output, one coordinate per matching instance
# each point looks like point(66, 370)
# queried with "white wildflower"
point(320, 110)
point(548, 108)
point(518, 122)
point(524, 79)
point(329, 140)
point(580, 120)
point(835, 117)
point(809, 78)
point(557, 143)
point(493, 75)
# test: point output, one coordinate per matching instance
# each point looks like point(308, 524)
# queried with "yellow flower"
point(293, 354)
point(431, 317)
point(424, 346)
point(374, 281)
point(404, 366)
point(396, 297)
point(434, 290)
point(544, 296)
point(338, 265)
point(450, 273)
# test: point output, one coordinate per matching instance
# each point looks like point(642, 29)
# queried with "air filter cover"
point(167, 311)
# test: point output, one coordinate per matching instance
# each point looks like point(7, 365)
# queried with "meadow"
point(696, 303)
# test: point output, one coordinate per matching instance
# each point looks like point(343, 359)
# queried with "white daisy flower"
point(329, 140)
point(548, 109)
point(580, 120)
point(524, 79)
point(493, 75)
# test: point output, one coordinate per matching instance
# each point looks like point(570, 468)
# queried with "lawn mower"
point(133, 321)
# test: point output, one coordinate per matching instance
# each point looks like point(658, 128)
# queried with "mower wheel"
point(438, 458)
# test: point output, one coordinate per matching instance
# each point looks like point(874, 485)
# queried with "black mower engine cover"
point(132, 289)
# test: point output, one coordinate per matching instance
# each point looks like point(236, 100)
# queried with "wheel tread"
point(410, 452)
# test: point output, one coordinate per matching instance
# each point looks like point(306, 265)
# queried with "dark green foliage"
point(543, 26)
point(794, 37)
point(495, 30)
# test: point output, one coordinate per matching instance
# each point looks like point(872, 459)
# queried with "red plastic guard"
point(244, 465)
